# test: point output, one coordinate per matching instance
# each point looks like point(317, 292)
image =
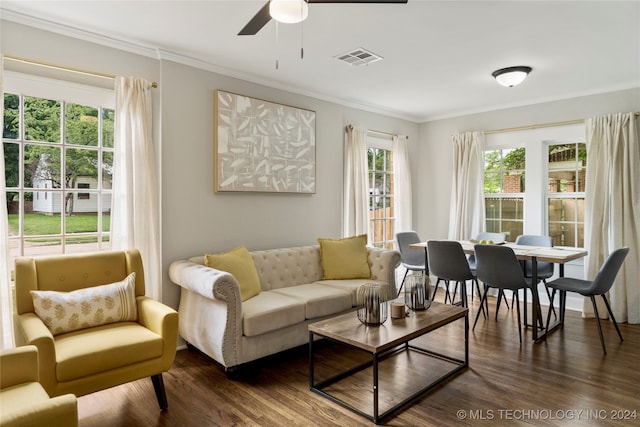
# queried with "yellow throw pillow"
point(240, 264)
point(84, 308)
point(345, 258)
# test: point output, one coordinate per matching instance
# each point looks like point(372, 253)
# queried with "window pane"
point(11, 164)
point(41, 166)
point(492, 182)
point(42, 218)
point(81, 124)
point(13, 209)
point(106, 212)
point(512, 229)
point(556, 210)
point(580, 237)
point(48, 246)
point(492, 209)
point(11, 116)
point(41, 119)
point(512, 208)
point(108, 117)
point(80, 165)
point(580, 210)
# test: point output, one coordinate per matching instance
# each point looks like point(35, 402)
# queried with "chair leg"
point(435, 291)
point(482, 301)
point(402, 283)
point(595, 311)
point(519, 320)
point(606, 302)
point(158, 386)
point(475, 280)
point(551, 307)
point(552, 297)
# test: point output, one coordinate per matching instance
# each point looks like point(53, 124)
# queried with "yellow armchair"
point(94, 358)
point(23, 401)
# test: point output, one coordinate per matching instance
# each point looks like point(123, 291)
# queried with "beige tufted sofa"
point(215, 320)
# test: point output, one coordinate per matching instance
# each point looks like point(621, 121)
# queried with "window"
point(566, 191)
point(381, 197)
point(58, 165)
point(504, 187)
point(534, 183)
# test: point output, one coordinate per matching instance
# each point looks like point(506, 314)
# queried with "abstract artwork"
point(261, 146)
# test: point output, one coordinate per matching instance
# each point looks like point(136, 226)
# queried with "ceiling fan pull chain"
point(301, 34)
point(276, 45)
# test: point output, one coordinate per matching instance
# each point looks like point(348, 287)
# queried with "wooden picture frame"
point(262, 146)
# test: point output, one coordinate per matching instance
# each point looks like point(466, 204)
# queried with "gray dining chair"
point(497, 238)
point(598, 286)
point(448, 262)
point(411, 259)
point(544, 270)
point(497, 267)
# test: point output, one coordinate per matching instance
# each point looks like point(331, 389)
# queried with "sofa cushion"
point(269, 311)
point(103, 348)
point(84, 308)
point(351, 287)
point(240, 264)
point(319, 300)
point(345, 258)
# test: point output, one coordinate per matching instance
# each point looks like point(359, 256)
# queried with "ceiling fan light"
point(511, 76)
point(288, 11)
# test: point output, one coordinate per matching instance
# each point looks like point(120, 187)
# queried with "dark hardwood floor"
point(564, 381)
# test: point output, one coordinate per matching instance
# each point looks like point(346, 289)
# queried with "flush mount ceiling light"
point(288, 11)
point(511, 76)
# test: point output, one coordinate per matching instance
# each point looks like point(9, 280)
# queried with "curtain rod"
point(69, 69)
point(350, 127)
point(542, 125)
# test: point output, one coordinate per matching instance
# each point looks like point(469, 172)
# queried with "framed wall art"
point(262, 146)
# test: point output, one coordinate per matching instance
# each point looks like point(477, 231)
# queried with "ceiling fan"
point(291, 11)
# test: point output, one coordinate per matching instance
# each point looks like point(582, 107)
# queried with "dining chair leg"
point(595, 311)
point(551, 307)
point(463, 293)
point(482, 301)
point(402, 283)
point(519, 324)
point(613, 319)
point(477, 283)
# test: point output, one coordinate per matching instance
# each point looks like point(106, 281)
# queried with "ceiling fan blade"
point(357, 1)
point(257, 22)
point(263, 16)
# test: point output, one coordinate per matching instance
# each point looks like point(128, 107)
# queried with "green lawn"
point(38, 224)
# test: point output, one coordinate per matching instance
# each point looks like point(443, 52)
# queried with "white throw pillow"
point(69, 311)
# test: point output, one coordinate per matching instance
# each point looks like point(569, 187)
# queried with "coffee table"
point(385, 342)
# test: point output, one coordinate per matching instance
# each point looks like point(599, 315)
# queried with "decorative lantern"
point(372, 304)
point(416, 294)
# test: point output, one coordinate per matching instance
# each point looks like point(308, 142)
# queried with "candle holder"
point(416, 295)
point(373, 307)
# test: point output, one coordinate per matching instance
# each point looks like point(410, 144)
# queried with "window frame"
point(536, 142)
point(377, 143)
point(64, 92)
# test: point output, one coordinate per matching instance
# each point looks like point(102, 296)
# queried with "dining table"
point(555, 254)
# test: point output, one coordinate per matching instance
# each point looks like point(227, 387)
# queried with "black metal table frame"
point(376, 417)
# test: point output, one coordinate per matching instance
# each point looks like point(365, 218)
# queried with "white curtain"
point(612, 208)
point(467, 193)
point(402, 184)
point(356, 214)
point(6, 301)
point(135, 207)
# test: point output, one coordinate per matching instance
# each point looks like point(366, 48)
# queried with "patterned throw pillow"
point(69, 311)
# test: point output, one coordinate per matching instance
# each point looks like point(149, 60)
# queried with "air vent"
point(358, 57)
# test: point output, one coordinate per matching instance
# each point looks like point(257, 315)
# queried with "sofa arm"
point(163, 320)
point(203, 280)
point(383, 264)
point(19, 365)
point(30, 330)
point(58, 411)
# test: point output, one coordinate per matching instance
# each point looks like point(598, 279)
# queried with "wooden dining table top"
point(555, 254)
